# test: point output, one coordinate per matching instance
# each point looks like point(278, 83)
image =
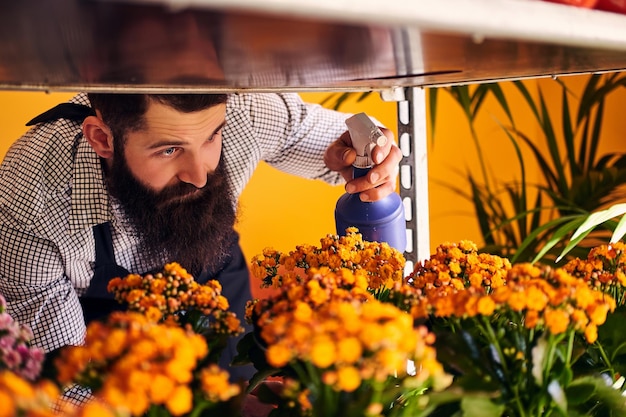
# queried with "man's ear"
point(99, 136)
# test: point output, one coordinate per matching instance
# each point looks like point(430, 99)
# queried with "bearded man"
point(109, 184)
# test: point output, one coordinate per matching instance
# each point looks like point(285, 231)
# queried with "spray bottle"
point(377, 221)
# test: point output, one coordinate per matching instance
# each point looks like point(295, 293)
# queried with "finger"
point(340, 153)
point(387, 170)
point(374, 179)
point(378, 193)
point(379, 153)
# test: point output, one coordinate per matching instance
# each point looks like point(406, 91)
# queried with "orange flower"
point(556, 320)
point(536, 299)
point(181, 401)
point(349, 350)
point(278, 355)
point(486, 306)
point(215, 384)
point(531, 319)
point(323, 352)
point(591, 333)
point(348, 378)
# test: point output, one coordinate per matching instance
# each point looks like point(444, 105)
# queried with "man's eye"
point(215, 135)
point(168, 151)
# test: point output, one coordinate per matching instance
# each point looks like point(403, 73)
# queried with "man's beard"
point(191, 226)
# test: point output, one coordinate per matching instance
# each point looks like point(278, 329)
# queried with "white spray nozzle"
point(365, 135)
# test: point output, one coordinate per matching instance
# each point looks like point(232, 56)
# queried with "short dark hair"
point(125, 112)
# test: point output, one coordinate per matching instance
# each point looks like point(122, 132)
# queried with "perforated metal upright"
point(412, 140)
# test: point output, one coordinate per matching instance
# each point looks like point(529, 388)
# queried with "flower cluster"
point(604, 269)
point(173, 294)
point(131, 361)
point(454, 270)
point(16, 352)
point(19, 396)
point(540, 296)
point(517, 325)
point(459, 265)
point(330, 333)
point(349, 342)
point(382, 264)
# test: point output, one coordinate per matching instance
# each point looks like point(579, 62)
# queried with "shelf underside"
point(72, 45)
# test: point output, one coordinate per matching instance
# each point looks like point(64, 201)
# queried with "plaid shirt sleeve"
point(283, 131)
point(33, 269)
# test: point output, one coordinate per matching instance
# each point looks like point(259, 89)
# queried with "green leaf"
point(580, 392)
point(568, 135)
point(588, 99)
point(480, 406)
point(496, 90)
point(592, 221)
point(604, 401)
point(620, 230)
point(595, 134)
point(599, 217)
point(572, 244)
point(548, 131)
point(558, 235)
point(536, 232)
point(432, 106)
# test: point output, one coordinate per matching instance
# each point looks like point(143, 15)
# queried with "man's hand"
point(253, 406)
point(380, 181)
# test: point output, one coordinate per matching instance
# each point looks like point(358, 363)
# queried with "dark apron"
point(97, 302)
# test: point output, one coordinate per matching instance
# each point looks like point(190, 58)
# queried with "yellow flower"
point(278, 355)
point(556, 320)
point(591, 333)
point(181, 401)
point(323, 353)
point(597, 313)
point(96, 409)
point(349, 350)
point(486, 306)
point(536, 299)
point(153, 314)
point(215, 384)
point(531, 319)
point(517, 300)
point(19, 387)
point(137, 402)
point(317, 294)
point(302, 312)
point(8, 405)
point(161, 387)
point(348, 378)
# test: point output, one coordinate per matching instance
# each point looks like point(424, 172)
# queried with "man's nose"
point(194, 172)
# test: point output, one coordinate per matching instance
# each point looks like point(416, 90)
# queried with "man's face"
point(175, 147)
point(172, 187)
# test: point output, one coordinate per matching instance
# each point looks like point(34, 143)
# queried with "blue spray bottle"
point(378, 221)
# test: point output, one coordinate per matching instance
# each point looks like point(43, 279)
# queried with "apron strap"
point(97, 302)
point(71, 111)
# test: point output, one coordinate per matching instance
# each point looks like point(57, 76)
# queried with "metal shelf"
point(304, 45)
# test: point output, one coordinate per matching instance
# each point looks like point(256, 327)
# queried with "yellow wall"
point(282, 211)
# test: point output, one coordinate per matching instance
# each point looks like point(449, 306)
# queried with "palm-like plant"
point(529, 222)
point(577, 179)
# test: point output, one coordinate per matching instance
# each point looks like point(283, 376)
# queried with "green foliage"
point(532, 222)
point(575, 179)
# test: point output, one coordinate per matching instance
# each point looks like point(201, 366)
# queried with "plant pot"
point(617, 6)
